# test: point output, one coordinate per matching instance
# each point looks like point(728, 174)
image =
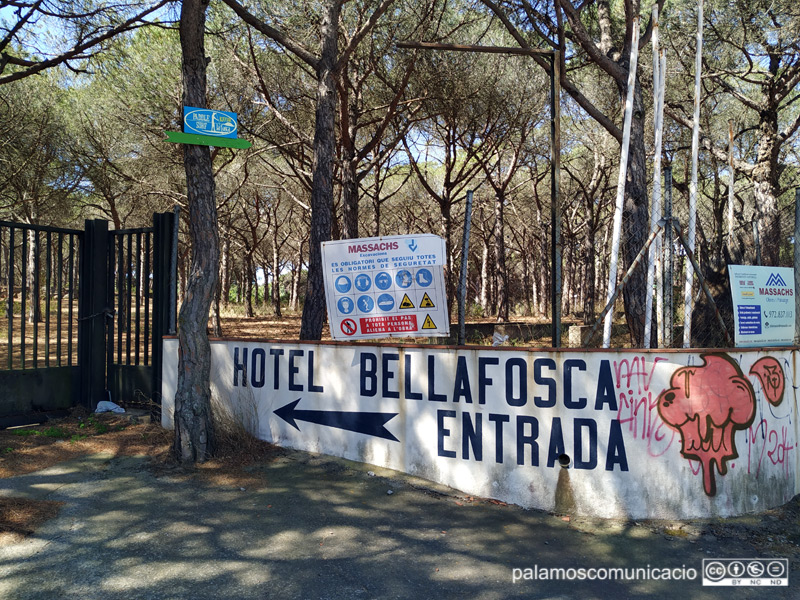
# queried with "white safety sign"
point(763, 305)
point(385, 287)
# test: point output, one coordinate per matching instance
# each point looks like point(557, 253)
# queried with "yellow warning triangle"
point(426, 302)
point(406, 303)
point(428, 324)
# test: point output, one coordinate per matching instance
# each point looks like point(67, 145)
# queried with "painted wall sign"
point(386, 287)
point(645, 435)
point(203, 121)
point(763, 305)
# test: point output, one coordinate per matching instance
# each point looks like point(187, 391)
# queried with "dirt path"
point(99, 511)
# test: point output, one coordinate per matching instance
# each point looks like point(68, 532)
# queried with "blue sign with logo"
point(764, 305)
point(215, 123)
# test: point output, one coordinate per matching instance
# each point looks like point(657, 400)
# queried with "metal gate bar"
point(41, 342)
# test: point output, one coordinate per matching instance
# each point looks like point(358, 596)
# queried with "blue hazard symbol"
point(363, 282)
point(424, 278)
point(383, 281)
point(343, 284)
point(386, 302)
point(346, 305)
point(365, 303)
point(404, 279)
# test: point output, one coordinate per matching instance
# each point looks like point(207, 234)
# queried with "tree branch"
point(274, 34)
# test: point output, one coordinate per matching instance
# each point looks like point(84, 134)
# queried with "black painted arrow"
point(368, 423)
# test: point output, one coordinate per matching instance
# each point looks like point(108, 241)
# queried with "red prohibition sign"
point(349, 326)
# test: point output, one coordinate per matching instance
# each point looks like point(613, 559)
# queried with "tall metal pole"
point(623, 171)
point(555, 199)
point(692, 227)
point(655, 213)
point(462, 282)
point(669, 259)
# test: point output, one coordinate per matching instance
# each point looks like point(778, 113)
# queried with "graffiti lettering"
point(774, 444)
point(637, 407)
point(635, 373)
point(640, 417)
point(770, 374)
point(709, 403)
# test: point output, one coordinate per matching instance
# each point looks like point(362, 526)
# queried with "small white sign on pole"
point(763, 305)
point(385, 287)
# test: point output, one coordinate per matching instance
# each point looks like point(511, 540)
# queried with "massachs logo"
point(776, 280)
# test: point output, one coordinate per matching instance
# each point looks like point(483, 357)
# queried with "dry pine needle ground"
point(30, 449)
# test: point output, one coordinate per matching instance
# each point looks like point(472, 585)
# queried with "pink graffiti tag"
point(770, 374)
point(638, 406)
point(707, 404)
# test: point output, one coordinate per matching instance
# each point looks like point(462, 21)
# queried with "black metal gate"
point(85, 315)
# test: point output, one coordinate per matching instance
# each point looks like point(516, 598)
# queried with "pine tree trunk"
point(765, 186)
point(635, 223)
point(314, 307)
point(194, 440)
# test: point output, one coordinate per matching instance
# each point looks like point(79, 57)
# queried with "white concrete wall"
point(648, 434)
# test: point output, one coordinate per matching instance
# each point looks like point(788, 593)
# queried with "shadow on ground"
point(324, 528)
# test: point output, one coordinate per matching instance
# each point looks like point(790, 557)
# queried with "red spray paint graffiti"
point(707, 404)
point(769, 373)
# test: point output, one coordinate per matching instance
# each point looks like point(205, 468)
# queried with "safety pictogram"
point(428, 324)
point(406, 303)
point(349, 327)
point(426, 302)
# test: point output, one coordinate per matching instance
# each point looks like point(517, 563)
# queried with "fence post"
point(163, 280)
point(669, 260)
point(92, 312)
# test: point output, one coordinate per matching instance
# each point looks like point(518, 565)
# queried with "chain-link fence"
point(690, 268)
